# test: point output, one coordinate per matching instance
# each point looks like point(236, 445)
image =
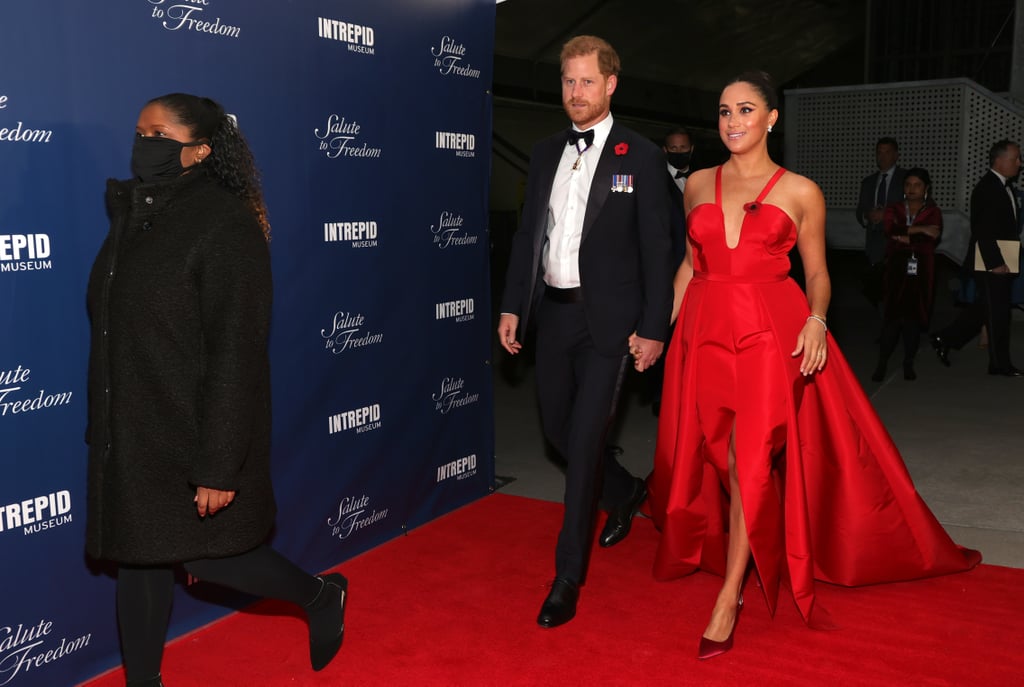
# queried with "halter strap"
point(760, 198)
point(771, 182)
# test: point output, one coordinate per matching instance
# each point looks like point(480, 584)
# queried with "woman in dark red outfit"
point(913, 227)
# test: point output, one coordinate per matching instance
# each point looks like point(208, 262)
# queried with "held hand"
point(507, 333)
point(645, 352)
point(209, 501)
point(876, 215)
point(1002, 269)
point(813, 344)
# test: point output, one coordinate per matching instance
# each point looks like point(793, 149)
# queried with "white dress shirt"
point(567, 207)
point(888, 179)
point(680, 181)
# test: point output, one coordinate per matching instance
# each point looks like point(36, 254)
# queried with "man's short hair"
point(678, 131)
point(607, 58)
point(888, 141)
point(999, 148)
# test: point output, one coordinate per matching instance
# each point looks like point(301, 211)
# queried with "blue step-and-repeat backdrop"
point(371, 123)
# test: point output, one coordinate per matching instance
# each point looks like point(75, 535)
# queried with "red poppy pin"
point(621, 148)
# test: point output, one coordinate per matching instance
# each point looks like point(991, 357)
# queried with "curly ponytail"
point(231, 161)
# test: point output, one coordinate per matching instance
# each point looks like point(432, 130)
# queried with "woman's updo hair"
point(762, 83)
point(230, 161)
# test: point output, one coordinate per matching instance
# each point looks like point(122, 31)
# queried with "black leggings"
point(890, 337)
point(144, 597)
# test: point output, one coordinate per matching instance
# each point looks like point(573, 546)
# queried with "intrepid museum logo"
point(450, 59)
point(449, 232)
point(359, 39)
point(453, 394)
point(346, 333)
point(24, 648)
point(17, 399)
point(361, 234)
point(463, 144)
point(360, 420)
point(339, 138)
point(460, 468)
point(24, 252)
point(354, 514)
point(190, 15)
point(460, 310)
point(36, 514)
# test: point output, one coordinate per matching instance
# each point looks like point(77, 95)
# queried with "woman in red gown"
point(768, 450)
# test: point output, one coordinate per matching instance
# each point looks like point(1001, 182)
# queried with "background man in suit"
point(591, 262)
point(876, 191)
point(993, 217)
point(678, 147)
point(679, 160)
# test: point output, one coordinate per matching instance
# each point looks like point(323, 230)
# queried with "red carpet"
point(455, 602)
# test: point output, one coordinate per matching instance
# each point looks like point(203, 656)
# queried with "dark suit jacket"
point(677, 221)
point(868, 189)
point(992, 219)
point(625, 252)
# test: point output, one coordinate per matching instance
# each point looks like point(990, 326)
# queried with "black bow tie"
point(573, 137)
point(680, 174)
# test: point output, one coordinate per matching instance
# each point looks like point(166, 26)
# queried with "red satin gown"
point(825, 493)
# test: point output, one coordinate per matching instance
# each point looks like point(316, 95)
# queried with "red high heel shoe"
point(710, 648)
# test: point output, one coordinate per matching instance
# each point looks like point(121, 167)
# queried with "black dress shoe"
point(879, 374)
point(620, 518)
point(941, 349)
point(560, 606)
point(1010, 371)
point(326, 615)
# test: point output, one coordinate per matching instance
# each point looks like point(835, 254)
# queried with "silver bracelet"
point(819, 319)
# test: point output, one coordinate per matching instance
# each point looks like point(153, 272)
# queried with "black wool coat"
point(179, 380)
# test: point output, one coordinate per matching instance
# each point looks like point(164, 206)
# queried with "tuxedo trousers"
point(991, 308)
point(578, 390)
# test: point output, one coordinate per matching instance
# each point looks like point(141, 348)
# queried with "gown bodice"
point(767, 234)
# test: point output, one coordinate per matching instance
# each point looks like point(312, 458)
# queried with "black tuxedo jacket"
point(868, 189)
point(992, 219)
point(677, 220)
point(625, 258)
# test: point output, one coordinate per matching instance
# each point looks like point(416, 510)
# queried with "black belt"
point(573, 295)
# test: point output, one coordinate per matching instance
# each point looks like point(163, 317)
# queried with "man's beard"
point(586, 115)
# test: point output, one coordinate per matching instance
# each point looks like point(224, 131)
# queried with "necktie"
point(680, 174)
point(880, 193)
point(573, 138)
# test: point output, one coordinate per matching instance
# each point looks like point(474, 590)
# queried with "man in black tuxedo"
point(993, 218)
point(591, 263)
point(876, 191)
point(678, 148)
point(679, 160)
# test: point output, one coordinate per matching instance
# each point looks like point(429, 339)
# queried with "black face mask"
point(678, 160)
point(158, 159)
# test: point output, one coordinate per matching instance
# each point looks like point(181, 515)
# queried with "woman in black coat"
point(179, 385)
